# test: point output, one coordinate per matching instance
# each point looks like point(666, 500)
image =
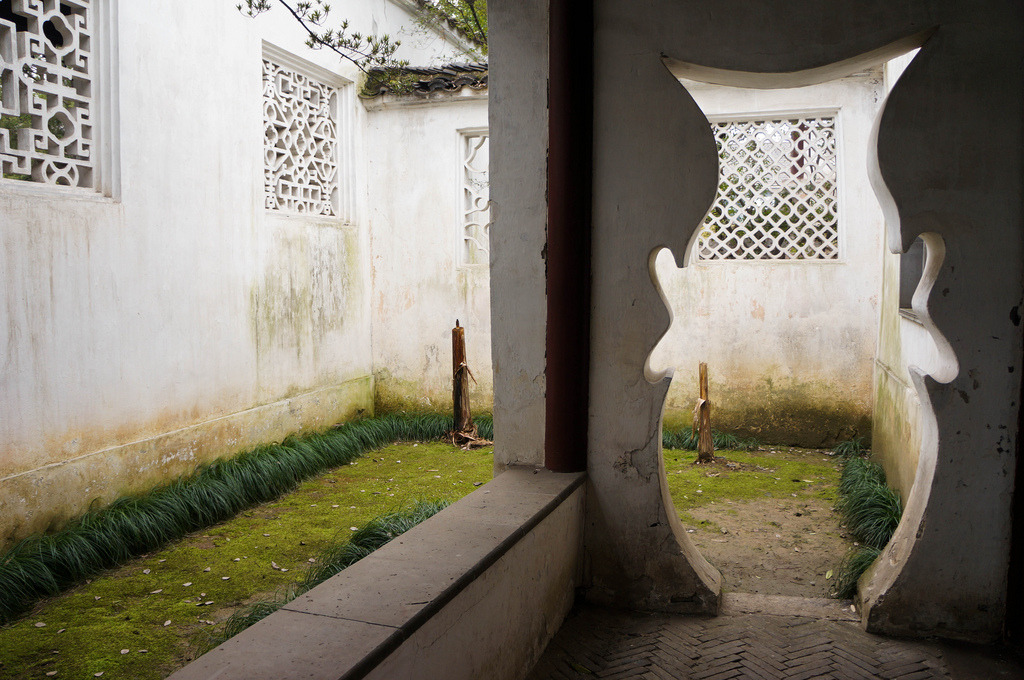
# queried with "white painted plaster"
point(789, 344)
point(420, 289)
point(179, 302)
point(518, 62)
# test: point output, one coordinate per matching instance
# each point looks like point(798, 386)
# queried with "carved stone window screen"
point(46, 91)
point(777, 193)
point(301, 143)
point(476, 210)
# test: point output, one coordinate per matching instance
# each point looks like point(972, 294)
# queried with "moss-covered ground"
point(765, 519)
point(771, 472)
point(144, 619)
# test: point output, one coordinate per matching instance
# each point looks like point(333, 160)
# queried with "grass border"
point(685, 439)
point(45, 564)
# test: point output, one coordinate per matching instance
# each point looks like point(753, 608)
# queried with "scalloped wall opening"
point(797, 327)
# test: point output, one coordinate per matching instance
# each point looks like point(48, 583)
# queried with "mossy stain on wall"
point(47, 497)
point(394, 395)
point(808, 413)
point(306, 309)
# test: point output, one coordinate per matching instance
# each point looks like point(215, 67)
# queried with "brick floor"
point(753, 638)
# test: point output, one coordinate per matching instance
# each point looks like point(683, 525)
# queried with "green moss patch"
point(198, 581)
point(335, 558)
point(779, 472)
point(44, 565)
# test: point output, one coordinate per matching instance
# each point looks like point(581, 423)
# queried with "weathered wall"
point(175, 321)
point(904, 345)
point(420, 285)
point(518, 61)
point(789, 344)
point(948, 168)
point(898, 417)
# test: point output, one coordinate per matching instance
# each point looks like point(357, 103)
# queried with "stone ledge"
point(820, 608)
point(347, 626)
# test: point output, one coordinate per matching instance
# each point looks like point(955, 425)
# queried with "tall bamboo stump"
point(702, 420)
point(465, 429)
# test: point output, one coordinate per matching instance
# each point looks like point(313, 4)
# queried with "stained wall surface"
point(170, 319)
point(789, 343)
point(423, 279)
point(518, 61)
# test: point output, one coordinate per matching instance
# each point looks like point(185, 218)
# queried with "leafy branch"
point(365, 51)
point(469, 17)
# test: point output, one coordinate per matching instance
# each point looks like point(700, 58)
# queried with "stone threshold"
point(347, 626)
point(821, 608)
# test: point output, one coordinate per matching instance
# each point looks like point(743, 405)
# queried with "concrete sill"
point(350, 624)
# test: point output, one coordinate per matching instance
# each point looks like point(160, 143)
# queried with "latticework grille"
point(777, 197)
point(476, 207)
point(300, 143)
point(46, 129)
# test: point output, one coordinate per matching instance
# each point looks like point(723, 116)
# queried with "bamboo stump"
point(464, 432)
point(702, 421)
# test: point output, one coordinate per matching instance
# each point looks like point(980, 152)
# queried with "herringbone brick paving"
point(607, 644)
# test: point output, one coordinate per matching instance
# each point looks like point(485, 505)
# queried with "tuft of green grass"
point(334, 559)
point(44, 565)
point(850, 448)
point(852, 568)
point(860, 475)
point(871, 511)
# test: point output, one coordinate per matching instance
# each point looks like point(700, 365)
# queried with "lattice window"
point(777, 196)
point(46, 129)
point(476, 210)
point(301, 142)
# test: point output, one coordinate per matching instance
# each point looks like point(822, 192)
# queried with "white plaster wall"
point(414, 180)
point(789, 344)
point(177, 321)
point(897, 434)
point(903, 341)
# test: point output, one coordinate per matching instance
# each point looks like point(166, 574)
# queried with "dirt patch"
point(721, 464)
point(763, 518)
point(773, 546)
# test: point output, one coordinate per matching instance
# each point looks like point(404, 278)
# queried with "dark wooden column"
point(570, 132)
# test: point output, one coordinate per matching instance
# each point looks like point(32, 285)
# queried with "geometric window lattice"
point(476, 200)
point(300, 142)
point(46, 129)
point(777, 195)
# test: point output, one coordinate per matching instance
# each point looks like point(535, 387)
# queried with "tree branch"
point(378, 52)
